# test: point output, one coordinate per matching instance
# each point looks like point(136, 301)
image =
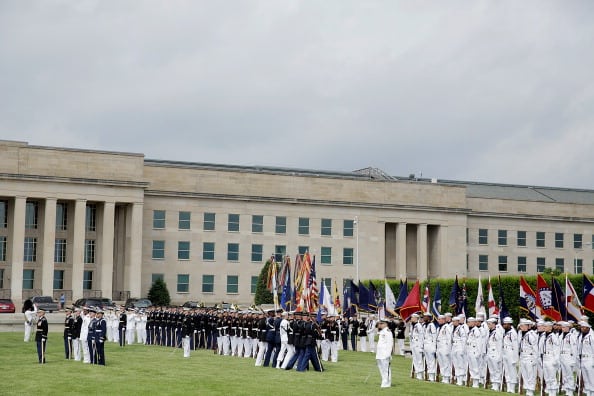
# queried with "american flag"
point(312, 285)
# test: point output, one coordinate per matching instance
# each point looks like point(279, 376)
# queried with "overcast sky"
point(498, 91)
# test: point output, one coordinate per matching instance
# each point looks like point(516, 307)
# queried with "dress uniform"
point(91, 342)
point(459, 356)
point(494, 354)
point(30, 314)
point(68, 325)
point(262, 344)
point(444, 349)
point(41, 335)
point(76, 334)
point(123, 323)
point(310, 354)
point(187, 332)
point(84, 332)
point(100, 338)
point(550, 350)
point(586, 346)
point(383, 355)
point(354, 329)
point(400, 335)
point(363, 335)
point(417, 333)
point(333, 335)
point(284, 339)
point(510, 355)
point(475, 348)
point(528, 356)
point(568, 357)
point(430, 346)
point(290, 341)
point(371, 331)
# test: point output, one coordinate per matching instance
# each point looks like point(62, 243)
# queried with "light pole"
point(575, 258)
point(356, 222)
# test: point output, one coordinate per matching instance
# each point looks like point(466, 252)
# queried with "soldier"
point(187, 332)
point(325, 343)
point(430, 346)
point(298, 342)
point(76, 334)
point(41, 335)
point(354, 329)
point(270, 337)
point(141, 321)
point(290, 341)
point(417, 333)
point(383, 356)
point(528, 356)
point(475, 348)
point(444, 349)
point(262, 343)
point(311, 334)
point(100, 337)
point(91, 342)
point(459, 355)
point(494, 354)
point(568, 357)
point(333, 334)
point(68, 324)
point(363, 335)
point(510, 355)
point(587, 357)
point(284, 338)
point(123, 323)
point(131, 326)
point(371, 331)
point(84, 332)
point(550, 350)
point(344, 333)
point(400, 335)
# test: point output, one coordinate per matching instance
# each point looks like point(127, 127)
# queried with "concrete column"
point(49, 245)
point(17, 243)
point(444, 270)
point(401, 250)
point(106, 249)
point(422, 252)
point(78, 245)
point(132, 275)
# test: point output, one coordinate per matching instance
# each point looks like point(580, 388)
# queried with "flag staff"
point(356, 222)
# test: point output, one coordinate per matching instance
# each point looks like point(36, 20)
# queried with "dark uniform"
point(311, 333)
point(100, 336)
point(68, 326)
point(41, 338)
point(122, 328)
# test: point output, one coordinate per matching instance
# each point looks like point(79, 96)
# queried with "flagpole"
point(357, 246)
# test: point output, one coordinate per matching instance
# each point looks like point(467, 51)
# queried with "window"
point(158, 219)
point(89, 251)
point(155, 277)
point(328, 283)
point(60, 252)
point(208, 251)
point(3, 214)
point(540, 264)
point(347, 256)
point(183, 250)
point(233, 252)
point(232, 284)
point(158, 250)
point(302, 250)
point(326, 255)
point(233, 223)
point(502, 237)
point(207, 283)
point(183, 283)
point(91, 217)
point(559, 240)
point(280, 251)
point(254, 284)
point(578, 265)
point(503, 263)
point(257, 253)
point(521, 263)
point(88, 280)
point(28, 279)
point(31, 212)
point(347, 228)
point(184, 220)
point(483, 262)
point(257, 224)
point(540, 239)
point(209, 221)
point(483, 236)
point(61, 216)
point(1, 278)
point(577, 241)
point(560, 264)
point(521, 238)
point(326, 227)
point(30, 253)
point(280, 225)
point(58, 279)
point(2, 248)
point(304, 226)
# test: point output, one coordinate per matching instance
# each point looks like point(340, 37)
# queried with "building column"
point(106, 249)
point(49, 244)
point(422, 252)
point(133, 272)
point(78, 246)
point(17, 250)
point(443, 251)
point(401, 250)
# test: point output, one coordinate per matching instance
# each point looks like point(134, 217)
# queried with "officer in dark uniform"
point(91, 336)
point(150, 326)
point(122, 327)
point(354, 325)
point(41, 335)
point(344, 333)
point(277, 337)
point(298, 340)
point(269, 337)
point(312, 333)
point(100, 337)
point(68, 324)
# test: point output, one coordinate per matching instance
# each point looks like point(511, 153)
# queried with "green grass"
point(149, 370)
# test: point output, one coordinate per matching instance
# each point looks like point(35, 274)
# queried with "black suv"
point(99, 302)
point(138, 303)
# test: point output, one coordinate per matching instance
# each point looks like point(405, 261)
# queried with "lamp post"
point(575, 257)
point(356, 223)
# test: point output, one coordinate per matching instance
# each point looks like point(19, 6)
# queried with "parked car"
point(47, 303)
point(138, 303)
point(6, 305)
point(99, 302)
point(191, 304)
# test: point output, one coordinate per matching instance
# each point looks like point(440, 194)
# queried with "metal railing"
point(5, 293)
point(120, 295)
point(91, 293)
point(31, 293)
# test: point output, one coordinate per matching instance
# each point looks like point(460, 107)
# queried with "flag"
point(412, 303)
point(479, 304)
point(588, 295)
point(455, 297)
point(353, 301)
point(286, 295)
point(426, 303)
point(346, 301)
point(302, 284)
point(572, 302)
point(363, 297)
point(390, 300)
point(325, 307)
point(493, 309)
point(373, 299)
point(544, 299)
point(296, 281)
point(528, 300)
point(503, 311)
point(313, 287)
point(402, 294)
point(436, 306)
point(273, 281)
point(463, 301)
point(336, 298)
point(559, 300)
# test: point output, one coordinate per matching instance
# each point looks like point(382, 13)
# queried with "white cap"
point(508, 320)
point(525, 322)
point(414, 316)
point(491, 320)
point(456, 318)
point(584, 324)
point(447, 314)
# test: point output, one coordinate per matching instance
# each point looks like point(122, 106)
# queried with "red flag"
point(493, 309)
point(412, 303)
point(426, 303)
point(544, 299)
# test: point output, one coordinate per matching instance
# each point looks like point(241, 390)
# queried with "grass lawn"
point(151, 370)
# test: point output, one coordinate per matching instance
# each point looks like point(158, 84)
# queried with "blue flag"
point(503, 311)
point(320, 308)
point(436, 305)
point(402, 294)
point(559, 299)
point(455, 297)
point(287, 295)
point(363, 297)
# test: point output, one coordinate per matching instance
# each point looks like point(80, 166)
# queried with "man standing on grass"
point(100, 337)
point(41, 335)
point(68, 325)
point(385, 343)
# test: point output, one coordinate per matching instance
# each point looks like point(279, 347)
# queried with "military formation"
point(551, 357)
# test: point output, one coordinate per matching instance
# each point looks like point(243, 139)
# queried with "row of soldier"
point(551, 356)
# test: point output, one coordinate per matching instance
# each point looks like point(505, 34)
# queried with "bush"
point(158, 294)
point(263, 295)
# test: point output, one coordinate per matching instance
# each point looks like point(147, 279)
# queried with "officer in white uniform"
point(444, 349)
point(550, 351)
point(459, 358)
point(475, 347)
point(383, 356)
point(511, 355)
point(430, 346)
point(417, 333)
point(586, 346)
point(494, 354)
point(528, 356)
point(568, 358)
point(284, 337)
point(371, 332)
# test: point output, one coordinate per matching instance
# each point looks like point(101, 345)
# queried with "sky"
point(492, 91)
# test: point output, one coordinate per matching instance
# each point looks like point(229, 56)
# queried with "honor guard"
point(41, 335)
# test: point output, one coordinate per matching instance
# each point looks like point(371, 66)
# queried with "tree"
point(263, 295)
point(159, 295)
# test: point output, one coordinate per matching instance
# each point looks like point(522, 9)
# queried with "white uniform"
point(417, 333)
point(444, 351)
point(550, 351)
point(586, 345)
point(371, 332)
point(429, 350)
point(475, 348)
point(284, 337)
point(84, 332)
point(385, 344)
point(459, 356)
point(494, 357)
point(528, 360)
point(30, 315)
point(510, 359)
point(130, 327)
point(568, 360)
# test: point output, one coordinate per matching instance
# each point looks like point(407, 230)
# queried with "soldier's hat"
point(455, 319)
point(491, 320)
point(508, 320)
point(525, 322)
point(447, 314)
point(583, 323)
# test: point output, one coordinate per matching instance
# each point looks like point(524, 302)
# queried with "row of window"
point(541, 264)
point(32, 216)
point(502, 239)
point(29, 279)
point(280, 226)
point(30, 250)
point(257, 252)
